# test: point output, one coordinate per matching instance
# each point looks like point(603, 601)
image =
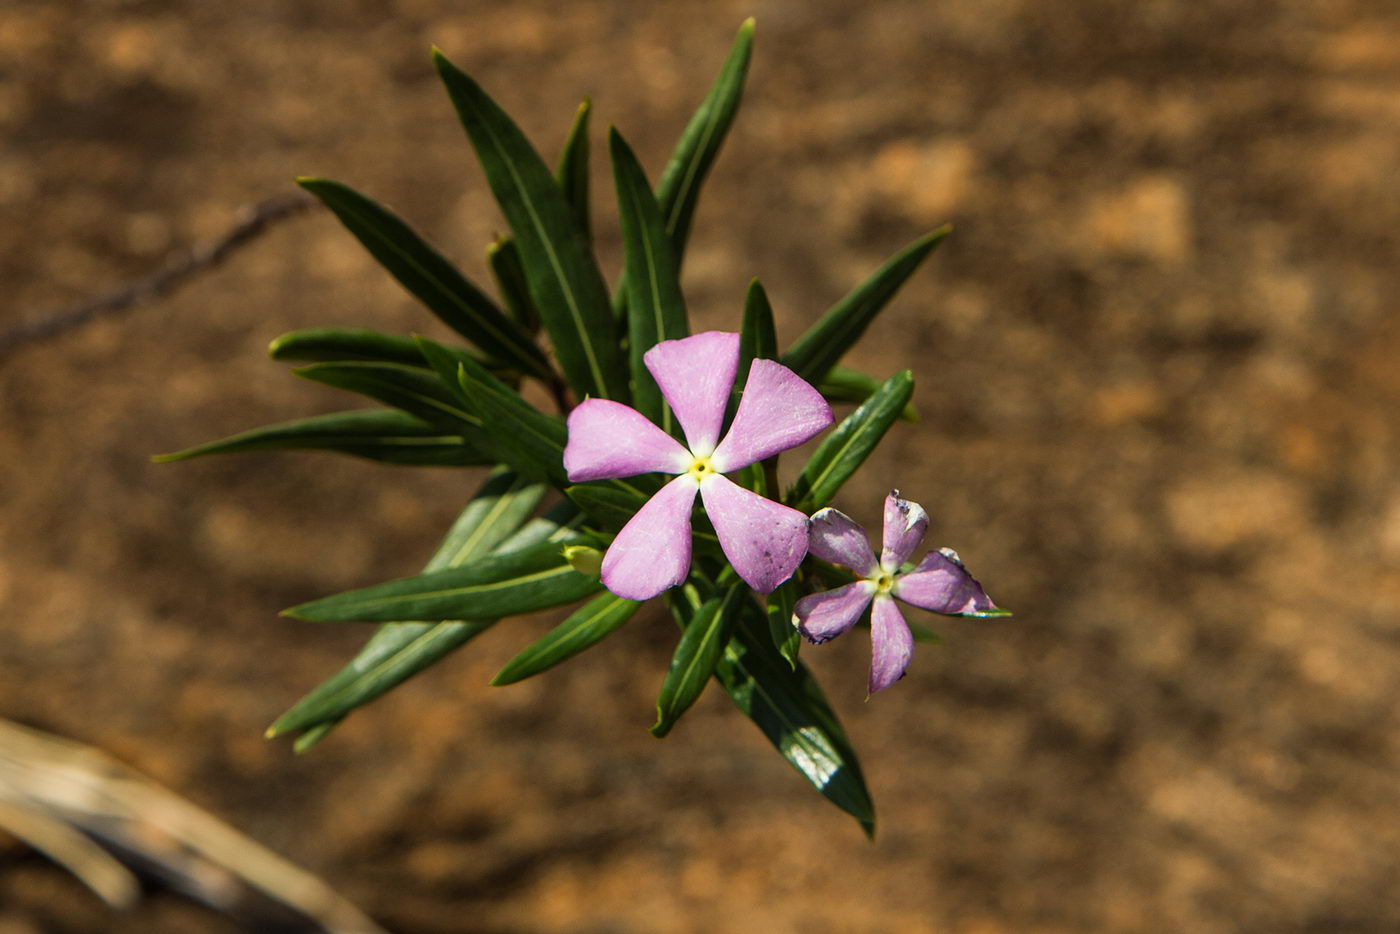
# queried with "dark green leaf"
point(788, 706)
point(786, 638)
point(813, 354)
point(846, 385)
point(612, 503)
point(320, 344)
point(564, 280)
point(398, 650)
point(587, 626)
point(572, 171)
point(504, 258)
point(707, 630)
point(528, 439)
point(383, 435)
point(657, 309)
point(758, 336)
point(431, 278)
point(533, 578)
point(846, 448)
point(678, 192)
point(410, 388)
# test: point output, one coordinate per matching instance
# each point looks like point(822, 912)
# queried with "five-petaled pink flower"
point(939, 583)
point(764, 541)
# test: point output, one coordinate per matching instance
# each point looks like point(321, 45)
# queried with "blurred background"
point(1158, 380)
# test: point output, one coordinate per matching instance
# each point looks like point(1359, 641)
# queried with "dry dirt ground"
point(1158, 374)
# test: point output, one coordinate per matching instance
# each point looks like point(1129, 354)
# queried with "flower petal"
point(823, 616)
point(891, 644)
point(905, 524)
point(696, 375)
point(609, 439)
point(652, 552)
point(764, 540)
point(779, 410)
point(836, 538)
point(940, 583)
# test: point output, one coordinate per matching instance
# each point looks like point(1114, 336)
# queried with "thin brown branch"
point(178, 268)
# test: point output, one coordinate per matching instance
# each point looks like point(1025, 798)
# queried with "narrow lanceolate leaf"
point(678, 192)
point(587, 626)
point(779, 612)
point(679, 189)
point(843, 384)
point(702, 642)
point(322, 344)
point(657, 309)
point(564, 280)
point(813, 354)
point(846, 448)
point(397, 650)
point(533, 578)
point(384, 435)
point(572, 171)
point(412, 389)
point(758, 335)
point(787, 705)
point(504, 259)
point(528, 439)
point(430, 278)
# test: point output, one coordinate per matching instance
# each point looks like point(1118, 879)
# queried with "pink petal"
point(905, 524)
point(823, 616)
point(891, 644)
point(696, 375)
point(609, 439)
point(940, 583)
point(836, 538)
point(779, 410)
point(764, 540)
point(652, 552)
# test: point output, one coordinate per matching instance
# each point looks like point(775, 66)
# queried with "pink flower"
point(763, 540)
point(940, 583)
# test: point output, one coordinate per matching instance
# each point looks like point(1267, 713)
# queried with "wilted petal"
point(608, 439)
point(940, 583)
point(652, 552)
point(905, 524)
point(764, 540)
point(779, 410)
point(891, 644)
point(836, 538)
point(696, 375)
point(823, 616)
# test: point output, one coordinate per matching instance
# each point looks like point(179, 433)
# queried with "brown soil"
point(1158, 376)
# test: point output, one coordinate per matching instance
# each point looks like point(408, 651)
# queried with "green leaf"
point(813, 354)
point(431, 279)
point(320, 344)
point(923, 633)
point(612, 503)
point(503, 256)
point(587, 626)
point(533, 578)
point(707, 630)
point(527, 438)
point(657, 308)
point(845, 449)
point(758, 335)
point(398, 650)
point(412, 389)
point(787, 705)
point(564, 280)
point(786, 638)
point(384, 435)
point(678, 192)
point(572, 171)
point(679, 189)
point(843, 384)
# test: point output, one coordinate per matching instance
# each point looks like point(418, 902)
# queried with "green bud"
point(584, 559)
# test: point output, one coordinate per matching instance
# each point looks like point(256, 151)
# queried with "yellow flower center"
point(883, 581)
point(700, 468)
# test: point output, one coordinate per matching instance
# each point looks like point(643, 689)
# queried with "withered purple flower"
point(763, 540)
point(939, 583)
